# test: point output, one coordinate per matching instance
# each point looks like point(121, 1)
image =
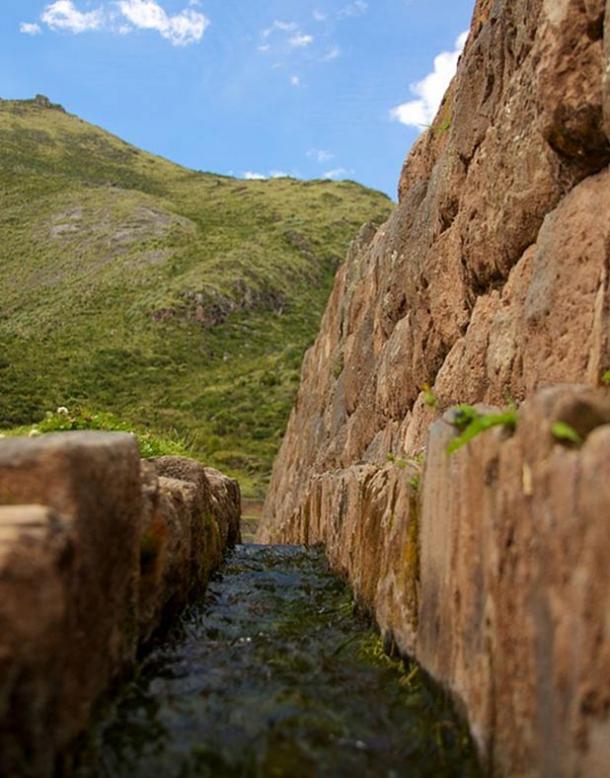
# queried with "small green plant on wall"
point(430, 399)
point(415, 464)
point(470, 422)
point(565, 433)
point(398, 461)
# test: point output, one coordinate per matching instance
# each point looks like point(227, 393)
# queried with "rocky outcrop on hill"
point(488, 283)
point(40, 101)
point(97, 551)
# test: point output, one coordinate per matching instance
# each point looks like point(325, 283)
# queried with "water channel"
point(274, 675)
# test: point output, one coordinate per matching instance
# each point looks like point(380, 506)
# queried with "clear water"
point(273, 675)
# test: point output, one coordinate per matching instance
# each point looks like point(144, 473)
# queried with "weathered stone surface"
point(114, 553)
point(221, 494)
point(459, 287)
point(154, 543)
point(35, 555)
point(606, 74)
point(515, 594)
point(571, 81)
point(182, 469)
point(225, 506)
point(92, 480)
point(494, 577)
point(371, 538)
point(182, 507)
point(167, 566)
point(488, 283)
point(186, 492)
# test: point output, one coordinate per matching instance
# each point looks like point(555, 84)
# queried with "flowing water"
point(273, 675)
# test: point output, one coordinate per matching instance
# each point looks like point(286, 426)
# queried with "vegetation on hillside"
point(80, 419)
point(181, 302)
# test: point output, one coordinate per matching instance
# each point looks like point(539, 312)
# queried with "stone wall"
point(490, 568)
point(98, 549)
point(488, 284)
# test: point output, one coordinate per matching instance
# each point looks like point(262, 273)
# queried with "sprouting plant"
point(472, 423)
point(419, 458)
point(412, 670)
point(445, 125)
point(464, 416)
point(606, 378)
point(430, 398)
point(415, 482)
point(440, 128)
point(372, 648)
point(401, 463)
point(563, 431)
point(415, 462)
point(338, 366)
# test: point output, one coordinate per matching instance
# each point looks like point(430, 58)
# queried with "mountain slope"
point(181, 301)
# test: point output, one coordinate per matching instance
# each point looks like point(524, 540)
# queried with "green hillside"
point(180, 301)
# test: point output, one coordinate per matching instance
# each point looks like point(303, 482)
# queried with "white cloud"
point(356, 8)
point(181, 29)
point(250, 175)
point(30, 28)
point(300, 40)
point(290, 38)
point(430, 90)
point(281, 26)
point(338, 172)
point(63, 15)
point(295, 81)
point(333, 53)
point(319, 16)
point(320, 155)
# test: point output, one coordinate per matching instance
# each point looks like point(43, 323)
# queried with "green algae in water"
point(272, 675)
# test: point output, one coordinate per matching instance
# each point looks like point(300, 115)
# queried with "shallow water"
point(272, 674)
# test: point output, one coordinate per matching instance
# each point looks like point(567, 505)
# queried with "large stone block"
point(92, 481)
point(606, 71)
point(216, 521)
point(571, 80)
point(36, 555)
point(225, 502)
point(515, 588)
point(191, 515)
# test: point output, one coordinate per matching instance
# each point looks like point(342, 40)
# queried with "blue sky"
point(310, 88)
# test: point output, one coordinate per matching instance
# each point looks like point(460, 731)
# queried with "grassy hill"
point(180, 301)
